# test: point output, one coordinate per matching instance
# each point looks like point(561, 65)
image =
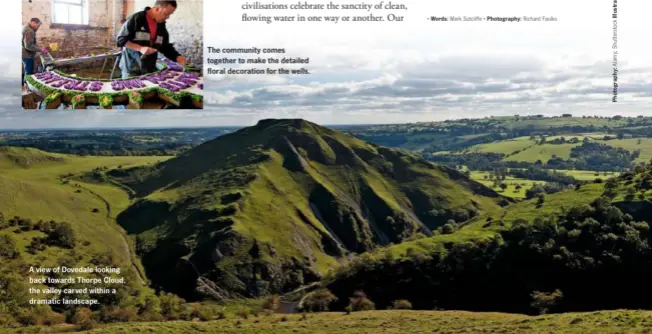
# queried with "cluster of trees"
point(537, 191)
point(598, 156)
point(540, 174)
point(58, 234)
point(589, 257)
point(474, 161)
point(588, 156)
point(594, 156)
point(322, 300)
point(637, 183)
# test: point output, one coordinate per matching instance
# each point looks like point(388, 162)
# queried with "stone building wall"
point(104, 19)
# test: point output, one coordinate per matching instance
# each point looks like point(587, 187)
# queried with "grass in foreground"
point(395, 321)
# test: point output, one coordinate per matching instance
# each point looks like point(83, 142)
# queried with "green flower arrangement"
point(106, 101)
point(172, 95)
point(52, 97)
point(78, 100)
point(52, 101)
point(136, 96)
point(197, 101)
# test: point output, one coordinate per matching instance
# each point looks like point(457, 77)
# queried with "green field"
point(587, 175)
point(511, 182)
point(392, 321)
point(524, 149)
point(643, 144)
point(504, 146)
point(530, 151)
point(31, 187)
point(542, 152)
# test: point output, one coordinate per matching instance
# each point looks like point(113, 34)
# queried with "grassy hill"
point(49, 219)
point(583, 241)
point(31, 186)
point(397, 321)
point(273, 206)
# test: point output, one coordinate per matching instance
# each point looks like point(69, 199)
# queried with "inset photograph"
point(112, 54)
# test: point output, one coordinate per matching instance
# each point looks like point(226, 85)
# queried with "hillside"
point(270, 207)
point(395, 321)
point(527, 149)
point(49, 219)
point(592, 243)
point(14, 157)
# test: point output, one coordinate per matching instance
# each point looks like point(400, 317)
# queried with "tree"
point(401, 304)
point(611, 183)
point(534, 191)
point(83, 318)
point(318, 300)
point(447, 229)
point(360, 302)
point(544, 301)
point(389, 220)
point(540, 199)
point(8, 248)
point(171, 306)
point(272, 303)
point(503, 186)
point(63, 236)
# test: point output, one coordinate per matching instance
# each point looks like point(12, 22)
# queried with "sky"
point(396, 72)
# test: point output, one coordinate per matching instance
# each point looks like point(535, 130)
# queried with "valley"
point(521, 215)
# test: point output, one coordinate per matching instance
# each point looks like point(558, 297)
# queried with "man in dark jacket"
point(29, 45)
point(142, 36)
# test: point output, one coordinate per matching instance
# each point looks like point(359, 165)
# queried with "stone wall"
point(186, 26)
point(104, 19)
